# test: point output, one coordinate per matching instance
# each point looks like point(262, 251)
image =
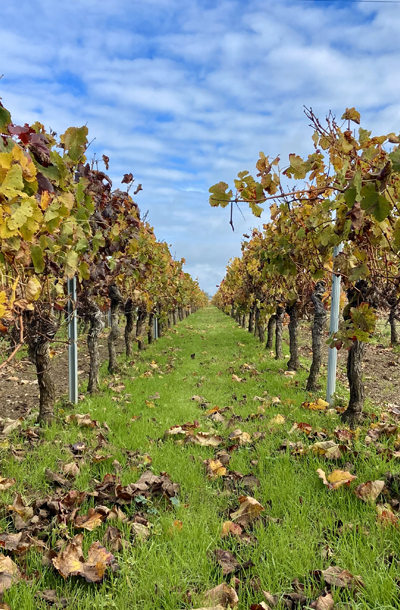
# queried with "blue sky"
point(184, 93)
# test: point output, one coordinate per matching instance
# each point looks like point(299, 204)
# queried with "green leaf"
point(71, 263)
point(374, 203)
point(352, 114)
point(13, 183)
point(350, 196)
point(395, 158)
point(37, 259)
point(84, 270)
point(20, 216)
point(219, 196)
point(5, 118)
point(359, 272)
point(75, 140)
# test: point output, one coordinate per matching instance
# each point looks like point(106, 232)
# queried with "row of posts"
point(73, 340)
point(73, 337)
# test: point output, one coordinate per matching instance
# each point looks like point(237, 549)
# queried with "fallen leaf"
point(113, 539)
point(386, 516)
point(50, 596)
point(90, 521)
point(324, 602)
point(229, 528)
point(242, 437)
point(53, 477)
point(205, 439)
point(336, 479)
point(82, 420)
point(6, 483)
point(214, 469)
point(21, 513)
point(236, 378)
point(11, 426)
point(227, 561)
point(142, 532)
point(318, 405)
point(341, 578)
point(70, 561)
point(329, 449)
point(278, 420)
point(223, 595)
point(9, 573)
point(248, 512)
point(369, 491)
point(289, 373)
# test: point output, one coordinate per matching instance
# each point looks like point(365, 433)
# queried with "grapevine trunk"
point(353, 414)
point(317, 331)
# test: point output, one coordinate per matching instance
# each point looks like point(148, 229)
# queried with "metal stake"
point(73, 342)
point(333, 327)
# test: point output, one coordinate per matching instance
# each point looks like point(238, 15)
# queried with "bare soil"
point(381, 367)
point(18, 382)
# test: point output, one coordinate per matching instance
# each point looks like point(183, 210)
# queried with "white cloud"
point(186, 93)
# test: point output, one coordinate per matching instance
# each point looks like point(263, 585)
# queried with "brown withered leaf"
point(20, 543)
point(214, 469)
point(21, 513)
point(369, 491)
point(50, 596)
point(97, 458)
point(329, 449)
point(386, 516)
point(9, 573)
point(248, 512)
point(113, 539)
point(205, 439)
point(230, 529)
point(142, 532)
point(90, 521)
point(336, 479)
point(223, 595)
point(71, 470)
point(53, 477)
point(271, 599)
point(341, 578)
point(324, 602)
point(6, 483)
point(241, 437)
point(229, 563)
point(217, 607)
point(71, 562)
point(260, 606)
point(82, 420)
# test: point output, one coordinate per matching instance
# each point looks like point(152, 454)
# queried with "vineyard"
point(200, 466)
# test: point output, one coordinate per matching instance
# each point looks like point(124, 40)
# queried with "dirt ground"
point(381, 366)
point(19, 389)
point(18, 382)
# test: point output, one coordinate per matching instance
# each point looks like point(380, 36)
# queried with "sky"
point(185, 93)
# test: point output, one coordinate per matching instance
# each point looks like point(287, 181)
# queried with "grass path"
point(307, 527)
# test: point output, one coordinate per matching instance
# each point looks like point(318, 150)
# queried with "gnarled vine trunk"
point(129, 327)
point(116, 302)
point(317, 332)
point(394, 337)
point(150, 332)
point(141, 328)
point(271, 332)
point(40, 328)
point(91, 313)
point(293, 363)
point(251, 320)
point(353, 414)
point(174, 317)
point(280, 314)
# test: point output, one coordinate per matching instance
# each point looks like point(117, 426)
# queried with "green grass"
point(159, 572)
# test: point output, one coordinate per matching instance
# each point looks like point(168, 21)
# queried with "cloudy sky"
point(185, 93)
